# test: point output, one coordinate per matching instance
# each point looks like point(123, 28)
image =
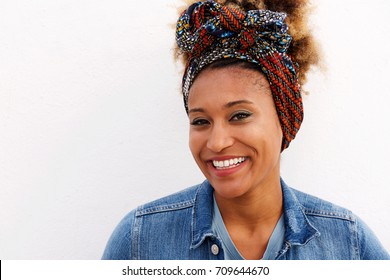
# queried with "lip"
point(225, 172)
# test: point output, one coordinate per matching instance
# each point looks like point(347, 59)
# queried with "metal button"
point(215, 249)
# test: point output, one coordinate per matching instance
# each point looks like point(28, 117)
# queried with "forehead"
point(215, 86)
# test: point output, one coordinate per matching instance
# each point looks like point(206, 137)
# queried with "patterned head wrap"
point(208, 31)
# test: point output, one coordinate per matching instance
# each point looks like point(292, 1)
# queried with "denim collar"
point(202, 215)
point(299, 231)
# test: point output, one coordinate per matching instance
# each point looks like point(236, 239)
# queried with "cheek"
point(272, 126)
point(275, 137)
point(264, 137)
point(195, 139)
point(276, 133)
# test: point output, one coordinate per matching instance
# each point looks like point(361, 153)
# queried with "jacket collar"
point(202, 215)
point(299, 230)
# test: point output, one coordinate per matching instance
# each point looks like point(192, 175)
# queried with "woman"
point(243, 99)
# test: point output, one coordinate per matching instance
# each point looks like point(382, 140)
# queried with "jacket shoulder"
point(316, 206)
point(124, 241)
point(176, 201)
point(332, 220)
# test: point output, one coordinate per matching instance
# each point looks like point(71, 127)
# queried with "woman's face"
point(235, 134)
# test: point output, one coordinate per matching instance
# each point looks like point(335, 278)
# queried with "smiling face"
point(235, 134)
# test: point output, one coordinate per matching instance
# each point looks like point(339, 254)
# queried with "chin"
point(228, 190)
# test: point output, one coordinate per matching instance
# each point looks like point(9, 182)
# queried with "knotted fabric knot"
point(208, 31)
point(203, 23)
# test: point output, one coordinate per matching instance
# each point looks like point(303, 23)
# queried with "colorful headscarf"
point(208, 31)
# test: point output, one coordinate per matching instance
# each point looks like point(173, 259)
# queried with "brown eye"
point(240, 116)
point(200, 122)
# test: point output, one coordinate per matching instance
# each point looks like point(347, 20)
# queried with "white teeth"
point(224, 164)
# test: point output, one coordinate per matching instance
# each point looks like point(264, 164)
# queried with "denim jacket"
point(179, 227)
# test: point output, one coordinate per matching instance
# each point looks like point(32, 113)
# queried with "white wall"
point(92, 122)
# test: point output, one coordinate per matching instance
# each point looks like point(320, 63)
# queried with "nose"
point(219, 139)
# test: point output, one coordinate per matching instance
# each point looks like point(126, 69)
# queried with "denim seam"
point(193, 221)
point(334, 215)
point(194, 225)
point(356, 247)
point(135, 244)
point(165, 208)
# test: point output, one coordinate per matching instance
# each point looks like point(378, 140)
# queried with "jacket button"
point(215, 249)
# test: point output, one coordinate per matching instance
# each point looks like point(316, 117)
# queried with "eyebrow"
point(195, 110)
point(227, 105)
point(238, 102)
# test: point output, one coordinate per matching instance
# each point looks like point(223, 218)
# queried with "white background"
point(92, 122)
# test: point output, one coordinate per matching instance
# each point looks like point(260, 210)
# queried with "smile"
point(228, 163)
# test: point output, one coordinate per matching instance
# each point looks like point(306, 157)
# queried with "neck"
point(251, 218)
point(262, 206)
